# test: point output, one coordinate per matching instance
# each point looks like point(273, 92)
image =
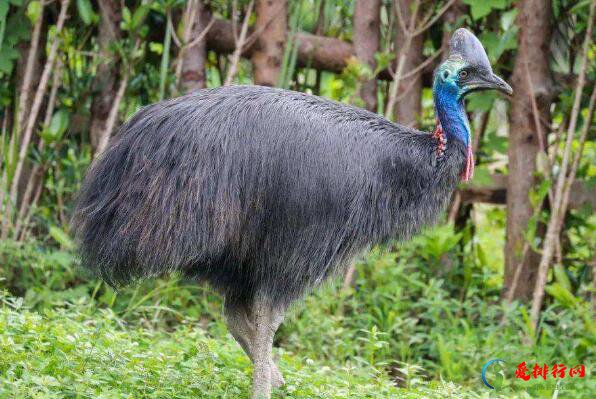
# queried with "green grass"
point(420, 322)
point(69, 353)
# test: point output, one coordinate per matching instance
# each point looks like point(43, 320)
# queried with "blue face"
point(447, 78)
point(448, 92)
point(454, 79)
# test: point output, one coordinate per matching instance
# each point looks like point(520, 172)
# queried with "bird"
point(264, 193)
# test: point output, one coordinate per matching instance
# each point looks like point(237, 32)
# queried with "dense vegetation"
point(417, 319)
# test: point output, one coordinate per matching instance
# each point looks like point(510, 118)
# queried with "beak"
point(489, 81)
point(499, 84)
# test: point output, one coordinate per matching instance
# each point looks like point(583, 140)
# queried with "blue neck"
point(451, 112)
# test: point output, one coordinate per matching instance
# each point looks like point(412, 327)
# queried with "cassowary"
point(264, 193)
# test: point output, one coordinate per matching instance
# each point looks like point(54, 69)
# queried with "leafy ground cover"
point(420, 322)
point(66, 353)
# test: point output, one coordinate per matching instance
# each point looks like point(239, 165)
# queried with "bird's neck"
point(452, 123)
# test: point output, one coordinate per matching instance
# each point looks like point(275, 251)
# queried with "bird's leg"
point(267, 318)
point(240, 327)
point(243, 331)
point(277, 379)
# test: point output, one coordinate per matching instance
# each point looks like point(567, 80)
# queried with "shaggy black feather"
point(256, 189)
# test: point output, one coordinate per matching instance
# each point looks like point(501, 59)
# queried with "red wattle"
point(469, 169)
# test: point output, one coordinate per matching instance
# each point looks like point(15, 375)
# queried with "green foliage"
point(407, 321)
point(57, 127)
point(86, 12)
point(14, 28)
point(481, 8)
point(132, 21)
point(61, 237)
point(34, 10)
point(78, 351)
point(496, 44)
point(419, 313)
point(422, 317)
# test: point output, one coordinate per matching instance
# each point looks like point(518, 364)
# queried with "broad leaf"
point(562, 295)
point(481, 8)
point(34, 10)
point(61, 237)
point(86, 11)
point(57, 127)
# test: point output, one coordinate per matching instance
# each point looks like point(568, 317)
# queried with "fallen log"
point(495, 192)
point(318, 52)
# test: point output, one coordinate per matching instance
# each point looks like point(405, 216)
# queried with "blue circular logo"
point(486, 368)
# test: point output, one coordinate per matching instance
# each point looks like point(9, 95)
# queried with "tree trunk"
point(106, 80)
point(409, 95)
point(272, 24)
point(194, 57)
point(524, 140)
point(366, 38)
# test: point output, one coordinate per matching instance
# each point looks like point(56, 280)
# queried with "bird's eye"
point(463, 74)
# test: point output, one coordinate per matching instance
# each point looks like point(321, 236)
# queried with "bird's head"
point(466, 70)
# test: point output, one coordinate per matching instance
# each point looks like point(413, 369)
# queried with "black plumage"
point(256, 189)
point(265, 193)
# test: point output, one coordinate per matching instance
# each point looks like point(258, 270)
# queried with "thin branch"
point(235, 20)
point(544, 169)
point(41, 89)
point(21, 111)
point(422, 65)
point(3, 181)
point(410, 31)
point(438, 15)
point(43, 83)
point(190, 15)
point(28, 74)
point(175, 38)
point(235, 59)
point(256, 33)
point(558, 212)
point(187, 47)
point(202, 34)
point(516, 276)
point(189, 18)
point(38, 169)
point(400, 18)
point(552, 155)
point(165, 60)
point(402, 57)
point(113, 115)
point(30, 213)
point(578, 155)
point(405, 91)
point(526, 247)
point(349, 277)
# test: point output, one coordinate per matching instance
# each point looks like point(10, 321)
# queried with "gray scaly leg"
point(242, 329)
point(267, 318)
